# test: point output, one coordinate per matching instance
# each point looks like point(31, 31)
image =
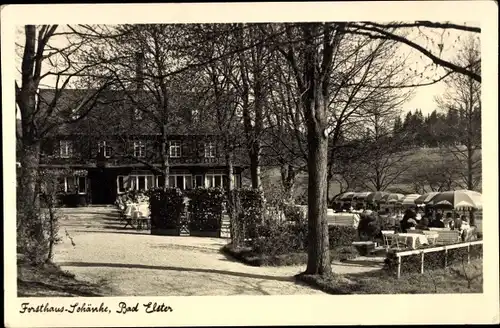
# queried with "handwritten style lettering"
point(123, 308)
point(155, 307)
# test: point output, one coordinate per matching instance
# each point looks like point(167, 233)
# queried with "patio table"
point(410, 239)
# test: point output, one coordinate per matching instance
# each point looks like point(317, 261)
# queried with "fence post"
point(468, 253)
point(422, 264)
point(399, 266)
point(445, 257)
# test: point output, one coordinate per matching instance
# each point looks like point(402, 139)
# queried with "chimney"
point(139, 70)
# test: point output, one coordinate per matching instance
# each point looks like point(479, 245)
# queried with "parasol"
point(457, 199)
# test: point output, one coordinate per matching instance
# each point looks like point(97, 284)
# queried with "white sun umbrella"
point(458, 199)
point(409, 200)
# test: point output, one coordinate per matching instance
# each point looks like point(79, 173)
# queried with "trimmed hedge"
point(434, 260)
point(205, 209)
point(252, 211)
point(166, 208)
point(277, 238)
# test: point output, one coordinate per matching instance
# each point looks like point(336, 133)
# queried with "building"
point(116, 148)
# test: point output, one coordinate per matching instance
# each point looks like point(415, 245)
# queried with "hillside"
point(416, 162)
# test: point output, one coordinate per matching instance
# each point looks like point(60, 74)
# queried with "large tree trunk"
point(315, 113)
point(319, 256)
point(29, 218)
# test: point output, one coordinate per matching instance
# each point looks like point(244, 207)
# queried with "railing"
point(444, 248)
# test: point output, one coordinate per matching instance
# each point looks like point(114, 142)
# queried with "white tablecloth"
point(410, 239)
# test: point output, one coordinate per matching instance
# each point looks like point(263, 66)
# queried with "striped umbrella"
point(391, 198)
point(374, 197)
point(458, 199)
point(347, 196)
point(409, 200)
point(425, 198)
point(361, 195)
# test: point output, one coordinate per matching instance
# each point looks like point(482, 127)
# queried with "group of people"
point(429, 219)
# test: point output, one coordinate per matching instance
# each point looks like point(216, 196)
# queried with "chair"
point(431, 236)
point(142, 215)
point(390, 239)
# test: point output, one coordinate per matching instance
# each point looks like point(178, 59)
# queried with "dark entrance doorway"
point(103, 186)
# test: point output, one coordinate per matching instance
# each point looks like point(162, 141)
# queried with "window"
point(62, 184)
point(104, 149)
point(82, 185)
point(66, 148)
point(160, 181)
point(209, 150)
point(181, 181)
point(198, 181)
point(175, 149)
point(121, 183)
point(139, 149)
point(137, 114)
point(213, 180)
point(141, 182)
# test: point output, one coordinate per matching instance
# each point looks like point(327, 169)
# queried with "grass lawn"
point(442, 281)
point(50, 281)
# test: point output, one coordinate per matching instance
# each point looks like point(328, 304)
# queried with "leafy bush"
point(252, 211)
point(166, 208)
point(205, 209)
point(295, 213)
point(276, 238)
point(341, 235)
point(369, 227)
point(282, 237)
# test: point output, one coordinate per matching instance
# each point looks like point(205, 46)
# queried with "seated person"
point(423, 224)
point(457, 222)
point(448, 220)
point(437, 222)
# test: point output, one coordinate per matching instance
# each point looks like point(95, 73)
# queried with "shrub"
point(276, 238)
point(166, 208)
point(280, 238)
point(251, 212)
point(295, 213)
point(205, 209)
point(341, 235)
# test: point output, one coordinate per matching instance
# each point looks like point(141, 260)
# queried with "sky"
point(423, 97)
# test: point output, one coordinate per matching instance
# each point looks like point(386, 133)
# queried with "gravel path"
point(95, 247)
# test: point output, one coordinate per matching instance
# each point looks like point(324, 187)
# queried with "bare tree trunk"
point(30, 200)
point(318, 262)
point(232, 209)
point(164, 156)
point(288, 175)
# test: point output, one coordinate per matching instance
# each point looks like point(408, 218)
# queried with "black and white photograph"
point(297, 152)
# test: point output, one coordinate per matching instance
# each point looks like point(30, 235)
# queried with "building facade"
point(113, 150)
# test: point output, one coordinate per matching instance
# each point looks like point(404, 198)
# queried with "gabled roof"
point(113, 113)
